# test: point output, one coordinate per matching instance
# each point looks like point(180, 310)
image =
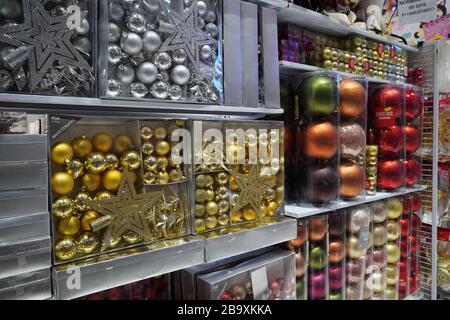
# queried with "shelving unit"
point(274, 4)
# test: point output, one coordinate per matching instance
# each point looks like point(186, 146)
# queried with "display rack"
point(274, 4)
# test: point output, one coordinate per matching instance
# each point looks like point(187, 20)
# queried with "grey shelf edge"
point(274, 4)
point(315, 21)
point(103, 275)
point(126, 108)
point(418, 295)
point(249, 240)
point(299, 212)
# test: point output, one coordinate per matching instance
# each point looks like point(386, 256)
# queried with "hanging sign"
point(413, 11)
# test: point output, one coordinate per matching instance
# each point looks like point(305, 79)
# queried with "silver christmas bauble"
point(114, 32)
point(59, 11)
point(175, 92)
point(114, 88)
point(212, 30)
point(147, 72)
point(136, 22)
point(116, 13)
point(115, 54)
point(10, 9)
point(163, 75)
point(210, 16)
point(187, 3)
point(131, 43)
point(180, 75)
point(6, 80)
point(137, 59)
point(205, 52)
point(201, 23)
point(129, 4)
point(83, 44)
point(201, 7)
point(125, 74)
point(83, 28)
point(152, 41)
point(163, 60)
point(151, 6)
point(138, 90)
point(160, 90)
point(179, 56)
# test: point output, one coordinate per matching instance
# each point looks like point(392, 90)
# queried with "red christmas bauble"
point(226, 295)
point(407, 201)
point(390, 174)
point(414, 104)
point(387, 97)
point(390, 140)
point(412, 138)
point(403, 249)
point(413, 243)
point(404, 227)
point(403, 268)
point(412, 171)
point(416, 202)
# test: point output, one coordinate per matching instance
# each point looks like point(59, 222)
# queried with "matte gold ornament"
point(68, 226)
point(211, 222)
point(62, 183)
point(150, 163)
point(91, 181)
point(212, 208)
point(199, 210)
point(87, 218)
point(209, 180)
point(162, 148)
point(111, 180)
point(149, 178)
point(147, 148)
point(103, 195)
point(112, 161)
point(127, 211)
point(82, 146)
point(75, 167)
point(87, 242)
point(122, 143)
point(162, 162)
point(222, 178)
point(224, 206)
point(249, 214)
point(80, 201)
point(160, 133)
point(95, 162)
point(200, 195)
point(61, 152)
point(210, 194)
point(236, 216)
point(223, 220)
point(200, 181)
point(66, 248)
point(131, 237)
point(146, 133)
point(163, 177)
point(131, 160)
point(222, 192)
point(62, 207)
point(102, 142)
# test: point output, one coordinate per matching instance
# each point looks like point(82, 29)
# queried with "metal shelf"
point(418, 295)
point(274, 4)
point(315, 21)
point(299, 212)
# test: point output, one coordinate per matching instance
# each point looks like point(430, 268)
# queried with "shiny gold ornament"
point(211, 222)
point(223, 220)
point(112, 161)
point(111, 180)
point(212, 208)
point(392, 252)
point(102, 142)
point(86, 242)
point(160, 133)
point(248, 214)
point(176, 174)
point(66, 248)
point(392, 274)
point(82, 146)
point(199, 210)
point(163, 177)
point(68, 226)
point(209, 180)
point(131, 160)
point(131, 237)
point(233, 199)
point(270, 194)
point(150, 163)
point(233, 184)
point(200, 195)
point(95, 162)
point(75, 167)
point(149, 178)
point(162, 148)
point(80, 201)
point(103, 195)
point(162, 162)
point(147, 148)
point(200, 181)
point(62, 183)
point(222, 192)
point(62, 207)
point(61, 152)
point(112, 243)
point(222, 178)
point(199, 225)
point(210, 194)
point(224, 206)
point(391, 293)
point(122, 143)
point(270, 209)
point(91, 181)
point(393, 230)
point(146, 133)
point(236, 216)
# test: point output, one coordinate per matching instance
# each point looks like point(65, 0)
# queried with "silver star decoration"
point(186, 34)
point(49, 39)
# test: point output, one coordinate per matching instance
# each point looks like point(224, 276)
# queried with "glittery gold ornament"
point(62, 183)
point(62, 207)
point(176, 174)
point(68, 226)
point(82, 146)
point(236, 216)
point(162, 148)
point(224, 206)
point(80, 201)
point(211, 208)
point(211, 222)
point(146, 133)
point(87, 242)
point(160, 133)
point(102, 142)
point(61, 152)
point(270, 209)
point(222, 192)
point(91, 181)
point(131, 237)
point(111, 180)
point(222, 178)
point(131, 160)
point(103, 195)
point(150, 163)
point(233, 199)
point(233, 184)
point(248, 214)
point(200, 195)
point(95, 162)
point(270, 194)
point(66, 248)
point(163, 177)
point(162, 162)
point(199, 225)
point(199, 210)
point(210, 194)
point(147, 148)
point(112, 161)
point(149, 178)
point(75, 167)
point(223, 219)
point(122, 143)
point(200, 181)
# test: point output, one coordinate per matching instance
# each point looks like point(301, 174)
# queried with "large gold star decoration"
point(127, 211)
point(253, 186)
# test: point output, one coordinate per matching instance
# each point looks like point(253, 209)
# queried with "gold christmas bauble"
point(394, 207)
point(233, 199)
point(62, 183)
point(200, 181)
point(235, 154)
point(176, 175)
point(162, 162)
point(222, 192)
point(210, 194)
point(68, 226)
point(131, 237)
point(392, 274)
point(114, 242)
point(131, 160)
point(200, 195)
point(66, 248)
point(146, 133)
point(233, 184)
point(62, 207)
point(75, 167)
point(211, 222)
point(199, 225)
point(149, 178)
point(222, 178)
point(162, 148)
point(236, 216)
point(223, 219)
point(122, 143)
point(160, 133)
point(391, 293)
point(393, 230)
point(279, 194)
point(111, 180)
point(163, 177)
point(82, 146)
point(87, 218)
point(61, 152)
point(224, 206)
point(87, 242)
point(147, 148)
point(211, 208)
point(249, 214)
point(103, 195)
point(95, 162)
point(112, 161)
point(209, 180)
point(80, 201)
point(270, 194)
point(199, 210)
point(392, 252)
point(91, 181)
point(353, 247)
point(150, 163)
point(102, 142)
point(270, 209)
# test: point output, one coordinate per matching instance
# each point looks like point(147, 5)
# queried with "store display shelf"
point(243, 241)
point(299, 212)
point(418, 295)
point(74, 280)
point(274, 4)
point(126, 108)
point(315, 21)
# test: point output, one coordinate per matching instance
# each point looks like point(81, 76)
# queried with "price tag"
point(260, 284)
point(413, 11)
